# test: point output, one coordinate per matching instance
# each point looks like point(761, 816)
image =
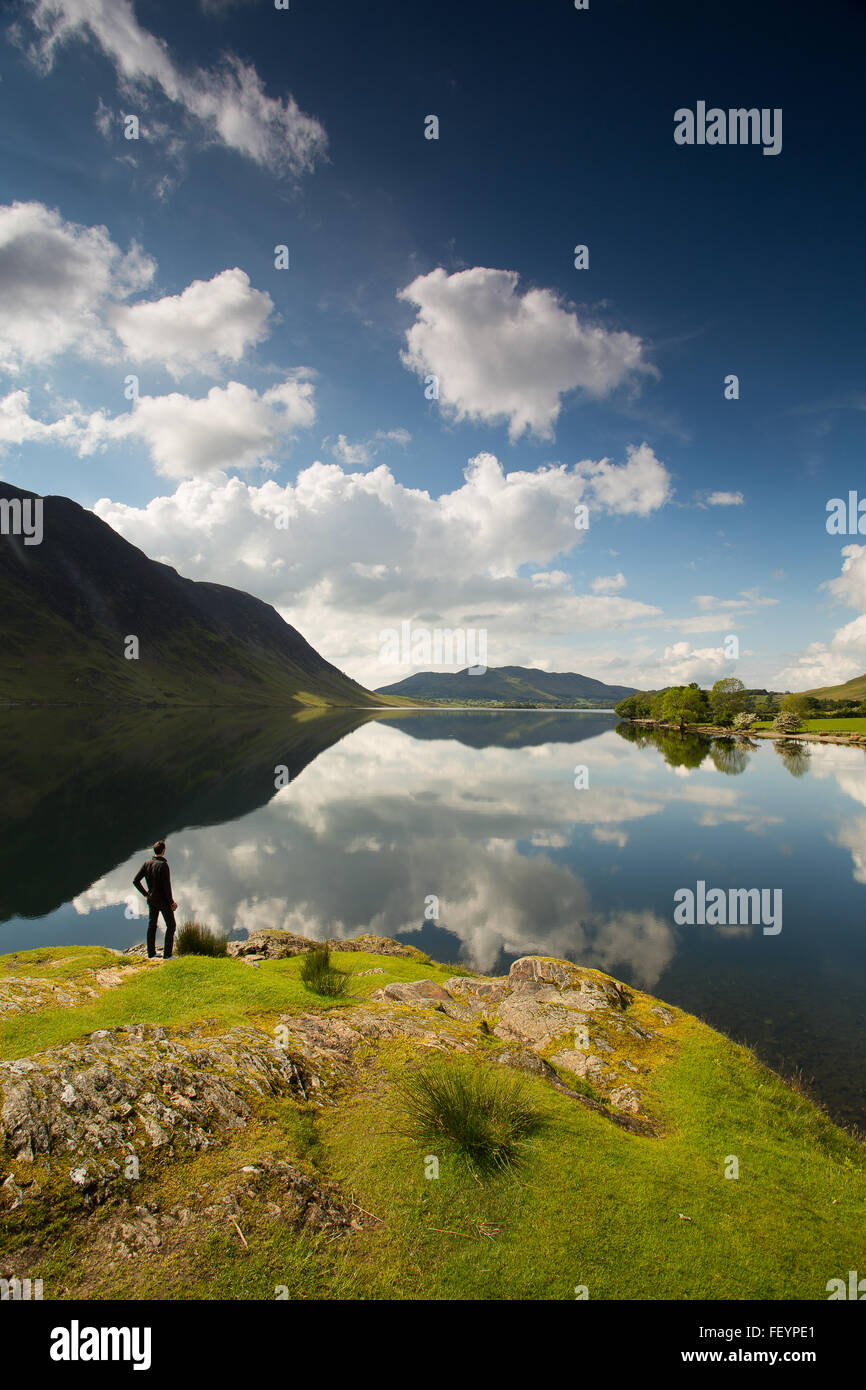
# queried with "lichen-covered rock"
point(569, 1014)
point(540, 970)
point(273, 944)
point(522, 1059)
point(376, 946)
point(463, 1013)
point(626, 1098)
point(424, 992)
point(598, 991)
point(27, 993)
point(85, 1107)
point(483, 993)
point(583, 1064)
point(278, 1188)
point(135, 1087)
point(533, 1021)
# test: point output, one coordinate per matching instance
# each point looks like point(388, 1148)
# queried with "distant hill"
point(68, 605)
point(514, 684)
point(854, 689)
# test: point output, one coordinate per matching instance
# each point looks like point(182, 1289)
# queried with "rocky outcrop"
point(414, 992)
point(85, 1109)
point(562, 1018)
point(375, 945)
point(271, 1185)
point(128, 1089)
point(27, 993)
point(270, 944)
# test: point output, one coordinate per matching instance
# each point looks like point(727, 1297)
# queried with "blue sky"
point(282, 441)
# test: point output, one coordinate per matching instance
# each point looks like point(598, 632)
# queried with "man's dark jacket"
point(156, 873)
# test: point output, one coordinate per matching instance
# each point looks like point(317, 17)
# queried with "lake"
point(463, 833)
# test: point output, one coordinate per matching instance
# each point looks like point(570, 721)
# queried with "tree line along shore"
point(730, 708)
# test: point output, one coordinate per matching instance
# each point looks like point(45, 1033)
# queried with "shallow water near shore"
point(464, 833)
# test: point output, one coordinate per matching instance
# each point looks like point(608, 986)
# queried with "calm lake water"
point(477, 809)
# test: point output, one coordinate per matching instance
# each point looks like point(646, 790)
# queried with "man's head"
point(159, 847)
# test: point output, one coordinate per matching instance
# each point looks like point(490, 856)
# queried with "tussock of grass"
point(320, 976)
point(487, 1115)
point(194, 939)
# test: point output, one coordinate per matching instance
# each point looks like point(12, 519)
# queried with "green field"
point(823, 726)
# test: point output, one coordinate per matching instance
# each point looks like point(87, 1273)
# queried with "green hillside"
point(854, 689)
point(70, 605)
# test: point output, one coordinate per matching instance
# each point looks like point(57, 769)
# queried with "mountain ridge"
point(526, 684)
point(70, 604)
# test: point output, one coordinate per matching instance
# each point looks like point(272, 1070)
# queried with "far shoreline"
point(852, 740)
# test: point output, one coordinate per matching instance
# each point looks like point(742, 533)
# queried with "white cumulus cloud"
point(210, 321)
point(502, 356)
point(231, 427)
point(56, 278)
point(358, 552)
point(65, 289)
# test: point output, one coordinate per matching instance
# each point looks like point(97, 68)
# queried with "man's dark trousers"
point(153, 922)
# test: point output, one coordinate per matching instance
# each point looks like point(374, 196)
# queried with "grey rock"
point(664, 1014)
point(583, 1064)
point(626, 1098)
point(272, 944)
point(423, 992)
point(476, 993)
point(529, 1020)
point(463, 1013)
point(153, 1089)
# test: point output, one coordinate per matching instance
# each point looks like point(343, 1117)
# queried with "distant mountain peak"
point(515, 684)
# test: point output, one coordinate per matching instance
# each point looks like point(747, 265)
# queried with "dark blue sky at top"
point(556, 129)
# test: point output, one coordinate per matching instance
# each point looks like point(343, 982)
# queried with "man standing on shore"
point(156, 874)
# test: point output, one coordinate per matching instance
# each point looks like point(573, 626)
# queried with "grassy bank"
point(823, 726)
point(591, 1204)
point(834, 729)
point(189, 989)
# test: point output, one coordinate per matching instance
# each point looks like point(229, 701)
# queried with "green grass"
point(600, 1207)
point(819, 726)
point(61, 962)
point(591, 1204)
point(205, 1261)
point(195, 988)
